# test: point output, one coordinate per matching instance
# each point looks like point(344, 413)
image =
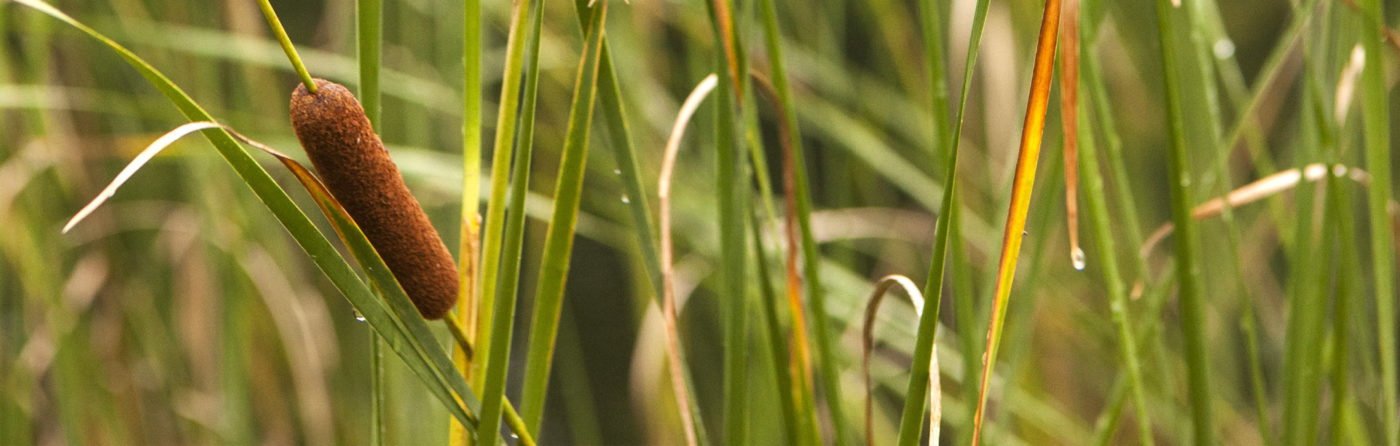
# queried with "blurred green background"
point(182, 313)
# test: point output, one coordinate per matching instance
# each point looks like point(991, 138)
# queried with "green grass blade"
point(493, 226)
point(1022, 185)
point(468, 257)
point(554, 265)
point(1099, 224)
point(826, 358)
point(911, 420)
point(1192, 304)
point(730, 192)
point(1375, 110)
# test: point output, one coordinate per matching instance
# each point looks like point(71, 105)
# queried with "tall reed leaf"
point(1192, 306)
point(910, 421)
point(1021, 188)
point(559, 238)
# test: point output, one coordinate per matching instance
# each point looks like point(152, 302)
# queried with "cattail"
point(354, 165)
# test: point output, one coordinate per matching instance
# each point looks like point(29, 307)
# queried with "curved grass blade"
point(1021, 187)
point(136, 164)
point(663, 194)
point(877, 296)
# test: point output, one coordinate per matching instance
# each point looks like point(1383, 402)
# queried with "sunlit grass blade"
point(1192, 307)
point(135, 165)
point(1021, 187)
point(559, 237)
point(910, 421)
point(668, 310)
point(872, 305)
point(1258, 190)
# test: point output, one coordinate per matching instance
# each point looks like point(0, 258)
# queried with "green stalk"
point(554, 265)
point(467, 311)
point(1099, 223)
point(369, 33)
point(1375, 111)
point(287, 47)
point(1193, 320)
point(729, 190)
point(495, 206)
point(1303, 357)
point(503, 319)
point(915, 401)
point(796, 431)
point(811, 257)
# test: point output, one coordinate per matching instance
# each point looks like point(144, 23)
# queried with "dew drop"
point(359, 317)
point(617, 171)
point(1223, 49)
point(625, 199)
point(1077, 258)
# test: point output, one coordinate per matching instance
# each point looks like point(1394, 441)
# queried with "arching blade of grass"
point(1020, 198)
point(1375, 110)
point(877, 296)
point(798, 200)
point(668, 307)
point(1192, 307)
point(911, 421)
point(559, 238)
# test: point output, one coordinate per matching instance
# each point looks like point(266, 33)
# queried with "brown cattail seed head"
point(353, 163)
